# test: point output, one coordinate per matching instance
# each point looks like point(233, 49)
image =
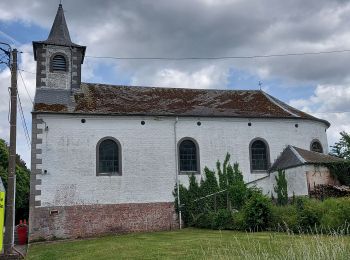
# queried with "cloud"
point(208, 77)
point(26, 63)
point(207, 28)
point(330, 102)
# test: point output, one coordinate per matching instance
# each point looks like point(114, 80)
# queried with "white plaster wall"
point(296, 180)
point(148, 153)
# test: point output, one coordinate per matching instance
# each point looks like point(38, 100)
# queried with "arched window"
point(108, 157)
point(259, 155)
point(316, 146)
point(188, 156)
point(59, 63)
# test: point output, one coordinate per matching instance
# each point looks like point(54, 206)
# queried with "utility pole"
point(11, 183)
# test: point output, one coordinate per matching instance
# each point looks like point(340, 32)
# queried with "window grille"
point(59, 63)
point(108, 157)
point(259, 156)
point(188, 156)
point(316, 147)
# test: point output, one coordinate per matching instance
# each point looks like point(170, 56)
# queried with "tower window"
point(59, 63)
point(316, 146)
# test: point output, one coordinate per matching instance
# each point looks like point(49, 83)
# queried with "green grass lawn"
point(197, 244)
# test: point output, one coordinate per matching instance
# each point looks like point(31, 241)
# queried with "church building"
point(105, 158)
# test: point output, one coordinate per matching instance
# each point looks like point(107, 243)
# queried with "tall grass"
point(297, 246)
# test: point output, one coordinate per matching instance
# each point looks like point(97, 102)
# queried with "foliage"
point(340, 170)
point(215, 193)
point(281, 188)
point(237, 188)
point(22, 181)
point(328, 216)
point(257, 212)
point(342, 148)
point(284, 218)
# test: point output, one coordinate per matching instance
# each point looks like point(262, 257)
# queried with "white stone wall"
point(296, 181)
point(58, 79)
point(148, 153)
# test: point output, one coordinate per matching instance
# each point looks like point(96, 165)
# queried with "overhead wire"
point(23, 120)
point(217, 57)
point(25, 87)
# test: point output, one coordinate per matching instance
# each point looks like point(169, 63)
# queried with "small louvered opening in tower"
point(59, 63)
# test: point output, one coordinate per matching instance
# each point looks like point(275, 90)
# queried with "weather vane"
point(260, 84)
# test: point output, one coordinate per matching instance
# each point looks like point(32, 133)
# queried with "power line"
point(24, 84)
point(27, 71)
point(23, 120)
point(220, 57)
point(217, 57)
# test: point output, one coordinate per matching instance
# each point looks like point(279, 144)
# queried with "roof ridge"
point(182, 88)
point(279, 105)
point(302, 160)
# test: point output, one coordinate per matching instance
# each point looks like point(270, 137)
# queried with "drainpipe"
point(177, 172)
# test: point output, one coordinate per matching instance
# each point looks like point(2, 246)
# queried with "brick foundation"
point(93, 220)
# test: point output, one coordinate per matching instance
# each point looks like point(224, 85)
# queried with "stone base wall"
point(92, 220)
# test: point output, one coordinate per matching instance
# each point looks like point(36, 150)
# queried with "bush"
point(238, 221)
point(281, 188)
point(284, 218)
point(309, 214)
point(336, 215)
point(223, 219)
point(257, 212)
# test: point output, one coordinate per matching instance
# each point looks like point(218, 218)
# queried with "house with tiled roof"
point(106, 158)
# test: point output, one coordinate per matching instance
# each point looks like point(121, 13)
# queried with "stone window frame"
point(65, 57)
point(119, 173)
point(316, 141)
point(267, 155)
point(197, 156)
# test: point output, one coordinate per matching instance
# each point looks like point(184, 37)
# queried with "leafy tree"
point(22, 180)
point(237, 188)
point(281, 188)
point(342, 148)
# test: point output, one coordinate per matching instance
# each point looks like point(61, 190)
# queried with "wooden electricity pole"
point(11, 183)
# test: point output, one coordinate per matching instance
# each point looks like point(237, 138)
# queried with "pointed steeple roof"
point(59, 33)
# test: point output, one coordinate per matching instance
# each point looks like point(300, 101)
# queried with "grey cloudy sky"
point(317, 84)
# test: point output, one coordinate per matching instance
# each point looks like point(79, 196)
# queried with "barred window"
point(59, 63)
point(188, 156)
point(259, 156)
point(108, 157)
point(316, 146)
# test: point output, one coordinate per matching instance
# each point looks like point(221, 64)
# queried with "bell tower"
point(58, 59)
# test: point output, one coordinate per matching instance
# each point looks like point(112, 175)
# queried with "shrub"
point(309, 214)
point(284, 218)
point(336, 215)
point(238, 221)
point(257, 212)
point(281, 188)
point(223, 219)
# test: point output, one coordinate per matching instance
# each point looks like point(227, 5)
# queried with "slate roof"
point(134, 100)
point(59, 34)
point(293, 156)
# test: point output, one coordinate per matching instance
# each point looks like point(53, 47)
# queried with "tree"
point(22, 181)
point(281, 188)
point(342, 148)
